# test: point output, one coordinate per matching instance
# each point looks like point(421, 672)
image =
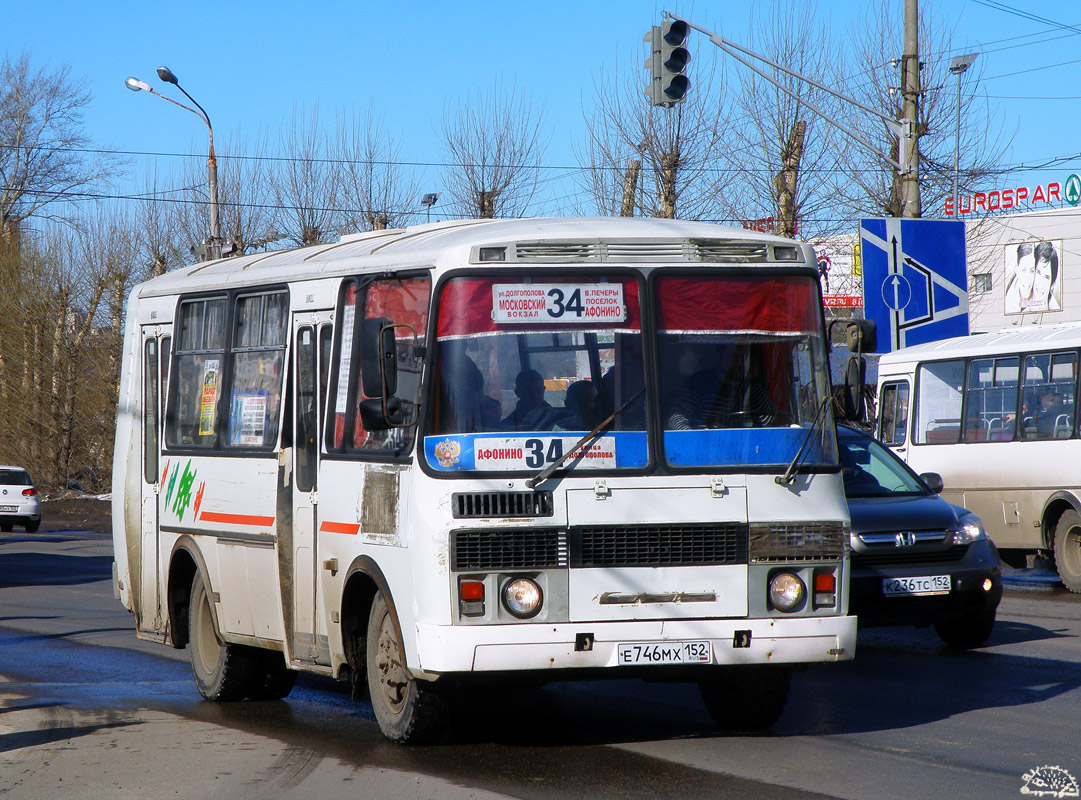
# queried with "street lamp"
point(957, 67)
point(167, 75)
point(428, 201)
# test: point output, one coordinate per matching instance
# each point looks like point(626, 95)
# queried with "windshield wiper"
point(547, 472)
point(790, 473)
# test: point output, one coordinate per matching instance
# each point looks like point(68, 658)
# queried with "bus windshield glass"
point(742, 372)
point(524, 368)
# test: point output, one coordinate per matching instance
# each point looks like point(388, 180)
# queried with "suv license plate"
point(699, 652)
point(9, 509)
point(916, 587)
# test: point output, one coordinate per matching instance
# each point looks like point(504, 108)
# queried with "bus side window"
point(404, 301)
point(893, 426)
point(938, 402)
point(258, 368)
point(195, 387)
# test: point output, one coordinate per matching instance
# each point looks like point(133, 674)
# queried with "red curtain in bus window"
point(465, 307)
point(404, 302)
point(769, 304)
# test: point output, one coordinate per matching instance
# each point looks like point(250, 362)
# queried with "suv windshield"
point(871, 470)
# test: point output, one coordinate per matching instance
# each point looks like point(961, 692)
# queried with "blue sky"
point(249, 63)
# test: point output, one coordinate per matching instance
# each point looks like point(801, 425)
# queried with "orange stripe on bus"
point(235, 519)
point(352, 528)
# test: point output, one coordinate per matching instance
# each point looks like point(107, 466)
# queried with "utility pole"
point(908, 146)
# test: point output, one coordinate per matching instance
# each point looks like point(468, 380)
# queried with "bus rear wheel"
point(1068, 550)
point(223, 672)
point(409, 711)
point(746, 698)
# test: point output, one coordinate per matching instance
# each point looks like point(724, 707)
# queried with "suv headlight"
point(969, 529)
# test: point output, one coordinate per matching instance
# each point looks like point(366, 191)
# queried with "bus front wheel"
point(223, 671)
point(409, 711)
point(1068, 550)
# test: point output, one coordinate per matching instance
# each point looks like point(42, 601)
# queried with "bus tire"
point(223, 672)
point(968, 631)
point(277, 679)
point(746, 698)
point(1068, 550)
point(409, 711)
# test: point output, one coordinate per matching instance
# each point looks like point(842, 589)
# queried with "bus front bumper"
point(538, 646)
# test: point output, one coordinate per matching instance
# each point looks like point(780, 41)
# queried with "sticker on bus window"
point(209, 401)
point(561, 303)
point(247, 418)
point(535, 452)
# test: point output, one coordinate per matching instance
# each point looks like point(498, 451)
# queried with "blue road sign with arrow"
point(915, 280)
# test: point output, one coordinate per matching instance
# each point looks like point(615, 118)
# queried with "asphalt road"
point(89, 711)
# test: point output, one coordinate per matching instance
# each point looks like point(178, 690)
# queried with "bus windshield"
point(524, 368)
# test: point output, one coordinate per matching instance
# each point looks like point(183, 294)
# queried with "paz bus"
point(478, 450)
point(996, 416)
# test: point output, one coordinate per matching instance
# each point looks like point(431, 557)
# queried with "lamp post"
point(428, 201)
point(957, 67)
point(215, 242)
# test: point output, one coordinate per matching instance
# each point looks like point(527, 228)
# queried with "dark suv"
point(916, 559)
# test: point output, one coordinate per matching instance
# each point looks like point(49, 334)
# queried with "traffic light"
point(668, 59)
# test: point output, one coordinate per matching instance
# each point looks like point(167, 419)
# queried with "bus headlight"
point(968, 530)
point(786, 591)
point(522, 597)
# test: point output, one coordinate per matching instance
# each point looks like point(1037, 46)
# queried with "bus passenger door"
point(307, 645)
point(155, 369)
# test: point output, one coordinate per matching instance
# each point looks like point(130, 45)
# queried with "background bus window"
point(192, 419)
point(893, 422)
point(991, 399)
point(258, 359)
point(938, 402)
point(1049, 396)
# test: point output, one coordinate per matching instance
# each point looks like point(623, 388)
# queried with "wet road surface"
point(84, 704)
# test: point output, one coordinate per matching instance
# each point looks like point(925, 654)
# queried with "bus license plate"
point(927, 585)
point(699, 652)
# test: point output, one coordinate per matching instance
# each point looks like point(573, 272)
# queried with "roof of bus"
point(451, 244)
point(1007, 340)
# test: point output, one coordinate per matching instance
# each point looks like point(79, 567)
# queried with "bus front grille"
point(659, 545)
point(475, 505)
point(528, 548)
point(798, 541)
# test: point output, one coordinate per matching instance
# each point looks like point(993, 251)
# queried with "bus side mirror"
point(855, 403)
point(861, 336)
point(378, 358)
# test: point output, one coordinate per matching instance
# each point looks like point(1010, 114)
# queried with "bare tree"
point(789, 157)
point(494, 143)
point(43, 147)
point(867, 184)
point(303, 183)
point(680, 151)
point(375, 190)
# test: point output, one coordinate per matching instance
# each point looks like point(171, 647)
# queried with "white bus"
point(996, 416)
point(466, 450)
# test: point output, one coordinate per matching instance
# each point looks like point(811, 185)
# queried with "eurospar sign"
point(1019, 197)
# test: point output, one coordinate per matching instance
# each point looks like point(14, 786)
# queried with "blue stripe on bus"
point(734, 447)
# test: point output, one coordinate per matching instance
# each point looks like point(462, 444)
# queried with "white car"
point(19, 501)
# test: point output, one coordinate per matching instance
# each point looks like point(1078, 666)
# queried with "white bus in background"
point(472, 449)
point(996, 416)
